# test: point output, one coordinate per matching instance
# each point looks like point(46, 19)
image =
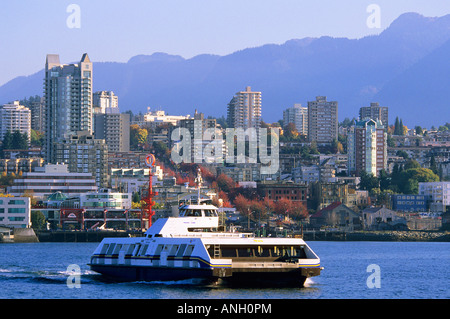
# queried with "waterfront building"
point(322, 120)
point(382, 218)
point(104, 198)
point(84, 154)
point(50, 179)
point(244, 110)
point(276, 190)
point(322, 194)
point(338, 216)
point(68, 100)
point(15, 117)
point(367, 147)
point(15, 212)
point(297, 115)
point(375, 112)
point(410, 203)
point(439, 195)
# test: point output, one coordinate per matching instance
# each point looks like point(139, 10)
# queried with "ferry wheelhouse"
point(191, 246)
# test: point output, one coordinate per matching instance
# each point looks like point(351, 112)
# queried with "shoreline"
point(392, 236)
point(387, 236)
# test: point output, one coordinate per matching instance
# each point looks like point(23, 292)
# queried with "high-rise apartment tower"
point(68, 100)
point(322, 120)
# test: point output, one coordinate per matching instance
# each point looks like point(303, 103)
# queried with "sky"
point(112, 30)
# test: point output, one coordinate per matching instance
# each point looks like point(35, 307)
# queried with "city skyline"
point(156, 26)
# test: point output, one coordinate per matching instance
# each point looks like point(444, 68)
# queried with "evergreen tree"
point(7, 141)
point(397, 126)
point(401, 129)
point(19, 140)
point(433, 165)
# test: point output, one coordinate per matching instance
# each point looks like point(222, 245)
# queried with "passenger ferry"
point(190, 246)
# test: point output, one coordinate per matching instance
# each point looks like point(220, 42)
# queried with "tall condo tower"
point(68, 100)
point(367, 147)
point(322, 120)
point(244, 110)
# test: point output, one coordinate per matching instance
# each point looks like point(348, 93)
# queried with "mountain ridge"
point(353, 72)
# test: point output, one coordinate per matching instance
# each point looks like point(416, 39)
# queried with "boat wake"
point(44, 276)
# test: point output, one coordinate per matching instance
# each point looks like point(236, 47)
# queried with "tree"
point(385, 180)
point(433, 165)
point(290, 131)
point(336, 147)
point(37, 138)
point(408, 180)
point(141, 137)
point(403, 154)
point(136, 197)
point(19, 140)
point(225, 183)
point(134, 141)
point(397, 126)
point(283, 206)
point(368, 181)
point(411, 164)
point(419, 130)
point(7, 141)
point(258, 210)
point(244, 206)
point(298, 210)
point(37, 220)
point(402, 128)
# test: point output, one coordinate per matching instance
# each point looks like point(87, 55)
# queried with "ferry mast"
point(199, 181)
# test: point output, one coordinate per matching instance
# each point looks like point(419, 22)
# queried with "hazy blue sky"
point(115, 30)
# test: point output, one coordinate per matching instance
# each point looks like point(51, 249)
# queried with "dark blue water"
point(419, 270)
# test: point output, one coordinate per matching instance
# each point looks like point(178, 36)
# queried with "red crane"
point(147, 208)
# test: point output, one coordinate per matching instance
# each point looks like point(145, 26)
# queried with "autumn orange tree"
point(225, 183)
point(295, 209)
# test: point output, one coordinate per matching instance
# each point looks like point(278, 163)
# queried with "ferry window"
point(285, 251)
point(301, 253)
point(189, 250)
point(210, 213)
point(143, 250)
point(263, 251)
point(182, 212)
point(110, 249)
point(104, 249)
point(158, 250)
point(173, 250)
point(197, 212)
point(130, 250)
point(245, 252)
point(181, 250)
point(138, 246)
point(228, 252)
point(117, 249)
point(275, 251)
